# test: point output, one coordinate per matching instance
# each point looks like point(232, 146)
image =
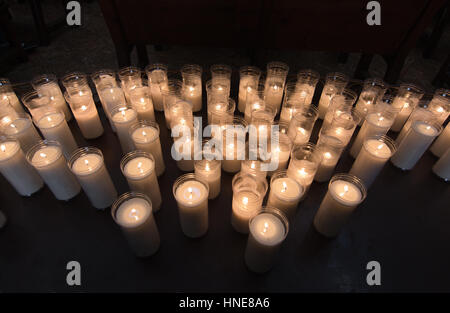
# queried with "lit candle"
point(7, 93)
point(268, 229)
point(374, 154)
point(302, 124)
point(345, 193)
point(274, 85)
point(53, 126)
point(157, 77)
point(48, 159)
point(15, 168)
point(285, 194)
point(134, 214)
point(21, 128)
point(304, 162)
point(140, 100)
point(331, 149)
point(191, 194)
point(88, 166)
point(406, 107)
point(253, 167)
point(209, 171)
point(138, 167)
point(442, 143)
point(184, 148)
point(252, 106)
point(249, 77)
point(442, 167)
point(415, 143)
point(110, 98)
point(334, 84)
point(145, 136)
point(123, 117)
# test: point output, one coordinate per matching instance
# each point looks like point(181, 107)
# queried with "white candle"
point(145, 136)
point(273, 94)
point(406, 107)
point(253, 167)
point(138, 167)
point(53, 126)
point(12, 100)
point(231, 163)
point(345, 193)
point(134, 214)
point(268, 230)
point(21, 128)
point(158, 81)
point(324, 102)
point(285, 194)
point(192, 199)
point(53, 92)
point(123, 117)
point(303, 171)
point(48, 159)
point(331, 149)
point(140, 100)
point(374, 154)
point(85, 112)
point(252, 106)
point(110, 98)
point(193, 94)
point(210, 172)
point(419, 137)
point(186, 153)
point(88, 165)
point(442, 143)
point(246, 84)
point(17, 171)
point(442, 167)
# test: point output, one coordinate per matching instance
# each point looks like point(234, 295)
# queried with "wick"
point(3, 148)
point(245, 200)
point(345, 191)
point(284, 187)
point(133, 214)
point(266, 227)
point(190, 192)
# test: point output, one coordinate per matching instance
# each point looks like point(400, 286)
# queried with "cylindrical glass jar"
point(421, 111)
point(221, 74)
point(157, 81)
point(35, 102)
point(249, 78)
point(407, 99)
point(274, 85)
point(302, 124)
point(306, 83)
point(221, 111)
point(141, 101)
point(170, 95)
point(305, 160)
point(342, 124)
point(123, 116)
point(331, 149)
point(75, 82)
point(342, 102)
point(209, 170)
point(21, 128)
point(234, 138)
point(130, 78)
point(440, 104)
point(192, 85)
point(285, 194)
point(7, 93)
point(373, 90)
point(334, 84)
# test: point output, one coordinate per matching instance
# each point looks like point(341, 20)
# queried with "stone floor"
point(89, 47)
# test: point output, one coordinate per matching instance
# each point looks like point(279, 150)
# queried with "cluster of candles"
point(129, 103)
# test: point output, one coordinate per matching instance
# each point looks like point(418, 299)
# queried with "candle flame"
point(207, 167)
point(83, 107)
point(144, 133)
point(266, 227)
point(301, 130)
point(284, 187)
point(380, 146)
point(245, 200)
point(440, 109)
point(302, 172)
point(345, 191)
point(43, 155)
point(3, 147)
point(327, 155)
point(190, 192)
point(134, 214)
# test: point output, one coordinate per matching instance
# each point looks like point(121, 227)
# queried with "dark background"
point(403, 223)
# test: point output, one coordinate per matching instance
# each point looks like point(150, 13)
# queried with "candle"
point(274, 85)
point(138, 167)
point(273, 95)
point(248, 195)
point(85, 112)
point(157, 77)
point(253, 104)
point(377, 122)
point(210, 172)
point(110, 98)
point(249, 77)
point(306, 82)
point(374, 154)
point(419, 137)
point(331, 149)
point(280, 152)
point(334, 84)
point(440, 105)
point(373, 89)
point(221, 78)
point(345, 193)
point(442, 143)
point(183, 148)
point(406, 107)
point(130, 78)
point(88, 166)
point(305, 160)
point(253, 167)
point(419, 113)
point(123, 117)
point(233, 145)
point(342, 126)
point(285, 194)
point(140, 100)
point(7, 93)
point(221, 111)
point(302, 124)
point(268, 229)
point(133, 212)
point(36, 103)
point(15, 168)
point(145, 136)
point(48, 159)
point(53, 126)
point(191, 194)
point(21, 128)
point(442, 167)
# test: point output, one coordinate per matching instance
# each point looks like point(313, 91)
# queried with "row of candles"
point(27, 162)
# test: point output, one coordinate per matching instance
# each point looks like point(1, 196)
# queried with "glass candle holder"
point(274, 85)
point(6, 109)
point(302, 124)
point(183, 152)
point(133, 212)
point(345, 193)
point(103, 79)
point(293, 94)
point(221, 111)
point(216, 92)
point(209, 170)
point(123, 116)
point(285, 194)
point(21, 128)
point(158, 81)
point(75, 82)
point(53, 126)
point(141, 101)
point(342, 124)
point(130, 77)
point(442, 167)
point(289, 109)
point(15, 168)
point(334, 84)
point(47, 158)
point(305, 160)
point(145, 136)
point(378, 122)
point(376, 151)
point(253, 167)
point(440, 105)
point(191, 194)
point(35, 102)
point(261, 122)
point(192, 85)
point(373, 90)
point(255, 101)
point(181, 115)
point(88, 165)
point(47, 84)
point(421, 111)
point(221, 76)
point(138, 167)
point(306, 84)
point(7, 93)
point(342, 102)
point(441, 144)
point(280, 150)
point(86, 115)
point(234, 137)
point(248, 195)
point(249, 78)
point(171, 94)
point(416, 141)
point(331, 149)
point(407, 98)
point(268, 229)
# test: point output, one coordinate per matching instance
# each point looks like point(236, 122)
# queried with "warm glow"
point(345, 191)
point(43, 155)
point(190, 192)
point(302, 172)
point(83, 108)
point(207, 168)
point(3, 148)
point(133, 214)
point(301, 130)
point(380, 146)
point(284, 187)
point(440, 109)
point(266, 227)
point(327, 155)
point(245, 200)
point(139, 166)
